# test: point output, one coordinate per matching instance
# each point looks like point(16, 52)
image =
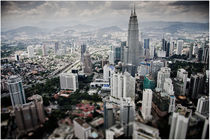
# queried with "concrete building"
point(143, 69)
point(146, 104)
point(149, 82)
point(44, 51)
point(30, 50)
point(109, 119)
point(168, 86)
point(87, 66)
point(108, 70)
point(17, 57)
point(181, 82)
point(162, 75)
point(82, 130)
point(142, 131)
point(127, 113)
point(17, 94)
point(179, 47)
point(155, 66)
point(122, 85)
point(83, 49)
point(196, 85)
point(172, 105)
point(203, 105)
point(179, 124)
point(115, 131)
point(151, 52)
point(56, 48)
point(29, 116)
point(161, 53)
point(205, 56)
point(69, 81)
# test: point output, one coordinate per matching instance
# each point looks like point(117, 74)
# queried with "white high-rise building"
point(172, 106)
point(122, 85)
point(108, 70)
point(82, 130)
point(203, 105)
point(44, 51)
point(162, 75)
point(179, 124)
point(182, 75)
point(168, 86)
point(151, 51)
point(16, 90)
point(155, 66)
point(143, 69)
point(146, 104)
point(179, 47)
point(69, 81)
point(30, 50)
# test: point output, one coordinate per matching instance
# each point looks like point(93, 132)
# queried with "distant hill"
point(110, 29)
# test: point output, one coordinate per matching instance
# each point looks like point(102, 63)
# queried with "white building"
point(161, 53)
point(179, 124)
point(44, 51)
point(162, 75)
point(82, 130)
point(179, 47)
point(69, 81)
point(30, 50)
point(151, 51)
point(122, 85)
point(155, 66)
point(108, 70)
point(203, 105)
point(182, 76)
point(147, 104)
point(172, 106)
point(16, 90)
point(143, 69)
point(168, 86)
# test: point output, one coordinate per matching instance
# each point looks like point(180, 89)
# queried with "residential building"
point(69, 81)
point(179, 47)
point(30, 50)
point(146, 104)
point(82, 130)
point(203, 105)
point(162, 75)
point(196, 85)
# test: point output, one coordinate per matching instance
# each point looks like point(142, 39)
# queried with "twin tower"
point(133, 54)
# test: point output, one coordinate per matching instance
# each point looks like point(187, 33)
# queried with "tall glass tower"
point(16, 90)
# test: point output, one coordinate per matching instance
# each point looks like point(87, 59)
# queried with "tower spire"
point(134, 10)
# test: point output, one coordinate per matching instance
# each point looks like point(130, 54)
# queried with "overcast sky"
point(54, 14)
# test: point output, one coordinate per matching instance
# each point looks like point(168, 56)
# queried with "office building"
point(146, 104)
point(143, 69)
point(82, 130)
point(172, 46)
point(179, 47)
point(87, 66)
point(180, 82)
point(83, 49)
point(179, 123)
point(127, 114)
point(30, 50)
point(16, 90)
point(168, 86)
point(56, 48)
point(135, 49)
point(164, 44)
point(149, 82)
point(195, 49)
point(203, 105)
point(30, 115)
point(161, 53)
point(167, 49)
point(172, 105)
point(109, 119)
point(205, 56)
point(143, 131)
point(151, 52)
point(69, 81)
point(108, 70)
point(17, 58)
point(44, 51)
point(200, 54)
point(196, 85)
point(146, 44)
point(114, 132)
point(191, 51)
point(162, 75)
point(155, 66)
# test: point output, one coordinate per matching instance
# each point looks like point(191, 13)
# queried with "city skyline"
point(52, 14)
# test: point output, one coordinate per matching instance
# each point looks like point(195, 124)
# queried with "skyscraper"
point(179, 47)
point(146, 104)
point(30, 50)
point(69, 81)
point(83, 49)
point(203, 105)
point(135, 50)
point(44, 51)
point(162, 75)
point(196, 85)
point(56, 48)
point(87, 66)
point(146, 43)
point(16, 90)
point(108, 115)
point(205, 56)
point(182, 78)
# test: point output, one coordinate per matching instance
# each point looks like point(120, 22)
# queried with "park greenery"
point(7, 50)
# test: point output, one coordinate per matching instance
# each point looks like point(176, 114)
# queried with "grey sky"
point(54, 14)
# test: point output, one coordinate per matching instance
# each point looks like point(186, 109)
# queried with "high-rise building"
point(30, 50)
point(167, 49)
point(190, 51)
point(168, 86)
point(149, 82)
point(29, 116)
point(155, 66)
point(82, 130)
point(127, 114)
point(205, 56)
point(172, 106)
point(56, 48)
point(196, 85)
point(162, 75)
point(83, 49)
point(151, 51)
point(87, 66)
point(164, 44)
point(44, 51)
point(179, 123)
point(143, 69)
point(200, 54)
point(122, 85)
point(123, 45)
point(180, 82)
point(109, 119)
point(195, 49)
point(146, 43)
point(16, 90)
point(146, 104)
point(203, 105)
point(135, 49)
point(17, 58)
point(69, 81)
point(179, 47)
point(108, 70)
point(172, 46)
